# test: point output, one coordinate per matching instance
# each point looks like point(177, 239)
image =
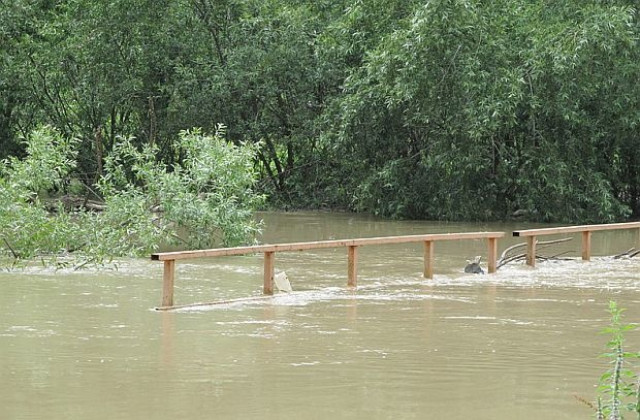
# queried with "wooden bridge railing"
point(586, 231)
point(269, 251)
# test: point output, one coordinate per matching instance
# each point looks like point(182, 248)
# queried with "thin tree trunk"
point(99, 151)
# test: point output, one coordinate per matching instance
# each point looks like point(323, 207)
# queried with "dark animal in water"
point(473, 266)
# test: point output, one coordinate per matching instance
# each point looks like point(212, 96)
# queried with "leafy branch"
point(619, 389)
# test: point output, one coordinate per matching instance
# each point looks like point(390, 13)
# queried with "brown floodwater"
point(522, 343)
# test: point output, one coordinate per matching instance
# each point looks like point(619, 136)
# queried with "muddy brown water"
point(520, 344)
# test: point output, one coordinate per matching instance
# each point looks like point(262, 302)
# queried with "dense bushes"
point(207, 200)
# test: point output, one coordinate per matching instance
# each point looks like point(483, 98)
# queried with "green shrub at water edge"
point(206, 199)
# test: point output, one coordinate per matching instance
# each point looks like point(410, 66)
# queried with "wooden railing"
point(269, 251)
point(586, 231)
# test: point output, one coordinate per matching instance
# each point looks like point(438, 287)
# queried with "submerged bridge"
point(169, 258)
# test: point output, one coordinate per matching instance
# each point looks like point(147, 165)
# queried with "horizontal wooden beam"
point(575, 229)
point(216, 302)
point(302, 246)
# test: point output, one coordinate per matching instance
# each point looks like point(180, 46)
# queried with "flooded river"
point(520, 344)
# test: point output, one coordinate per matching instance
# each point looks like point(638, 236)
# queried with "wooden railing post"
point(352, 266)
point(493, 254)
point(269, 259)
point(428, 260)
point(167, 282)
point(531, 251)
point(586, 245)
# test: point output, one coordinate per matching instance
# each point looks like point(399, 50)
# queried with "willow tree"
point(477, 110)
point(206, 200)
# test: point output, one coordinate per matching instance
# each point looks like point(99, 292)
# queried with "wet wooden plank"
point(269, 269)
point(586, 245)
point(428, 259)
point(576, 229)
point(352, 266)
point(302, 246)
point(168, 278)
point(531, 250)
point(215, 303)
point(492, 255)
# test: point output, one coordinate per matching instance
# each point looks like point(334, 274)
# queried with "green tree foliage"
point(256, 72)
point(445, 109)
point(207, 200)
point(26, 228)
point(478, 110)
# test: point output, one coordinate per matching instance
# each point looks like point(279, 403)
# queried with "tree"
point(448, 112)
point(442, 109)
point(205, 201)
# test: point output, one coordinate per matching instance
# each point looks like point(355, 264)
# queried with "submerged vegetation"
point(206, 200)
point(438, 109)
